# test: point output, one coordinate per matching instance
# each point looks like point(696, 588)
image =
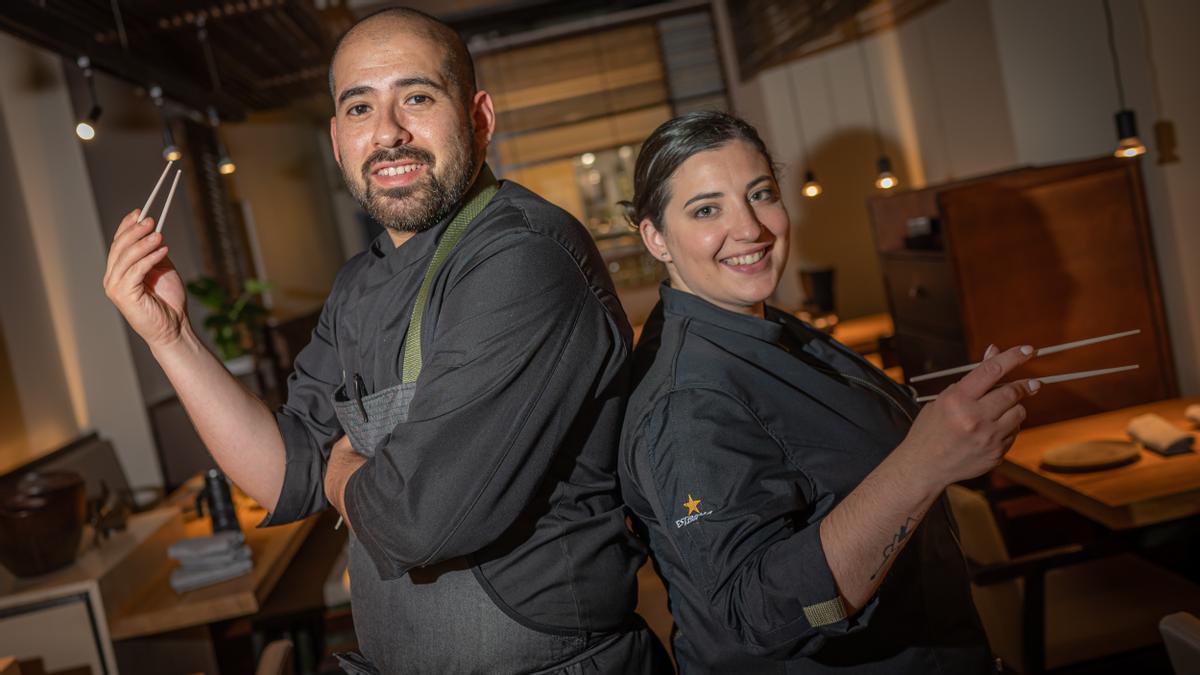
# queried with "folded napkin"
point(1159, 435)
point(185, 578)
point(215, 560)
point(219, 543)
point(1193, 414)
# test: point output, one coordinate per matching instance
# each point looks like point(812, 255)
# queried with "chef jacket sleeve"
point(740, 508)
point(308, 424)
point(521, 343)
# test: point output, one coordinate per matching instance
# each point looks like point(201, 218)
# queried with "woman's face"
point(726, 229)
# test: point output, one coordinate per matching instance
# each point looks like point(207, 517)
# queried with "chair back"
point(1000, 604)
point(1181, 633)
point(276, 659)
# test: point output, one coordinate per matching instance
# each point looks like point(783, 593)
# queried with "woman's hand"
point(141, 281)
point(967, 430)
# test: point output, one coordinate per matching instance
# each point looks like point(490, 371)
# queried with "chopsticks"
point(1041, 352)
point(1067, 377)
point(162, 217)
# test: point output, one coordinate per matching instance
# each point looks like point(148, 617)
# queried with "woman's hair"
point(671, 144)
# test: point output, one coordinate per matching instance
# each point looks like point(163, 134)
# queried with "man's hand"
point(143, 284)
point(343, 462)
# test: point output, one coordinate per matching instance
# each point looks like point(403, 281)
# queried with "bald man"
point(460, 400)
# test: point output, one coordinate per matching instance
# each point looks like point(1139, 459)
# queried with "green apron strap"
point(485, 187)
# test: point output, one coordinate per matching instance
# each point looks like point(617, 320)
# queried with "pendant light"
point(86, 129)
point(811, 188)
point(225, 165)
point(1128, 143)
point(884, 179)
point(170, 151)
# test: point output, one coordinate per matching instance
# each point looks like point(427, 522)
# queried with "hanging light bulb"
point(1129, 145)
point(885, 180)
point(86, 129)
point(811, 187)
point(225, 165)
point(170, 151)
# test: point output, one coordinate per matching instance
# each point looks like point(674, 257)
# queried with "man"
point(475, 465)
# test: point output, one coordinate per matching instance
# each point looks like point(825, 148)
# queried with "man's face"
point(405, 140)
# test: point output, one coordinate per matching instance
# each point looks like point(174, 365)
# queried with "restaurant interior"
point(957, 172)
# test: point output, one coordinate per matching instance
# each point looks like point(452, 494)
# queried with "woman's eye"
point(765, 194)
point(705, 212)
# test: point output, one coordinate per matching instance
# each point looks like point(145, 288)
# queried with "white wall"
point(60, 213)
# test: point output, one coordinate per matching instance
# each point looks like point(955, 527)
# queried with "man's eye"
point(359, 109)
point(418, 99)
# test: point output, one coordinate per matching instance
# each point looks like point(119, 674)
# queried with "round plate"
point(1090, 456)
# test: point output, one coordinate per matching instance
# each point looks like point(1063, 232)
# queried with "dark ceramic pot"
point(41, 522)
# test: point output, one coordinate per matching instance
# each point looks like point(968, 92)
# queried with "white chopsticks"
point(1067, 377)
point(162, 217)
point(1041, 352)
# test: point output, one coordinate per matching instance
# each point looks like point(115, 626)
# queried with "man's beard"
point(423, 204)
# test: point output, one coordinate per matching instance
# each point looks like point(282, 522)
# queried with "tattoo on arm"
point(894, 545)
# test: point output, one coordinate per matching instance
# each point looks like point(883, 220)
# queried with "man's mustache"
point(395, 155)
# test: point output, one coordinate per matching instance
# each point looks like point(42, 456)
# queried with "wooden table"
point(159, 609)
point(1153, 490)
point(863, 333)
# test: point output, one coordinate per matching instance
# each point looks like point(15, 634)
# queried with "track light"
point(225, 165)
point(811, 187)
point(1129, 145)
point(86, 129)
point(885, 180)
point(171, 151)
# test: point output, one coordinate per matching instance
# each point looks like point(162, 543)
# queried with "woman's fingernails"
point(1034, 386)
point(1026, 350)
point(989, 352)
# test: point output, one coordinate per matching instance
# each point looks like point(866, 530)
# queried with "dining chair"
point(276, 659)
point(1064, 605)
point(1181, 634)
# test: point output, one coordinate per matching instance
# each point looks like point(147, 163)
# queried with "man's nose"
point(390, 131)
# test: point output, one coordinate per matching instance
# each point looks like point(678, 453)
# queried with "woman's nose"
point(747, 226)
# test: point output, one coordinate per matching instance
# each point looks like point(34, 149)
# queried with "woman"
point(791, 492)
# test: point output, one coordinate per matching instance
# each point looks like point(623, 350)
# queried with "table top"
point(159, 609)
point(1153, 490)
point(862, 334)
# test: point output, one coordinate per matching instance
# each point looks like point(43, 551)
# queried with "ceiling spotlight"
point(86, 129)
point(170, 151)
point(811, 187)
point(886, 180)
point(1129, 144)
point(225, 165)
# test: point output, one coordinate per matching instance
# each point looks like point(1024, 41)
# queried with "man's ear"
point(654, 240)
point(337, 155)
point(483, 116)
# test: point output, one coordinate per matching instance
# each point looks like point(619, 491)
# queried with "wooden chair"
point(1181, 634)
point(276, 659)
point(1065, 605)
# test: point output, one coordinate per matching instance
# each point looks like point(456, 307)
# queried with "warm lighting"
point(226, 166)
point(811, 187)
point(1130, 145)
point(587, 159)
point(86, 129)
point(171, 153)
point(886, 180)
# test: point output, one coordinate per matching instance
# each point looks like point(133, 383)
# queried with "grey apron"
point(437, 619)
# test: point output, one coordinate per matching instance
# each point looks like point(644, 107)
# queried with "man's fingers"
point(985, 377)
point(127, 238)
point(129, 220)
point(131, 254)
point(137, 273)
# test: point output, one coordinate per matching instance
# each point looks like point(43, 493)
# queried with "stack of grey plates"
point(204, 561)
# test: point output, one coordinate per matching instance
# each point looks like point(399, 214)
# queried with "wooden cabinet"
point(1037, 256)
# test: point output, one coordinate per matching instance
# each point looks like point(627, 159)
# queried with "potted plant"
point(234, 323)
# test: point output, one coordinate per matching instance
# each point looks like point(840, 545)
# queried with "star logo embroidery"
point(692, 504)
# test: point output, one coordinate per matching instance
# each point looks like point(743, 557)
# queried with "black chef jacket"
point(508, 454)
point(752, 431)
